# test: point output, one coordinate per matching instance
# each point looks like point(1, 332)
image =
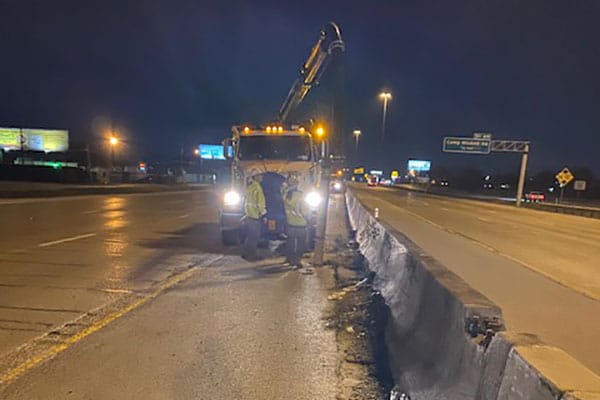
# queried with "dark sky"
point(172, 72)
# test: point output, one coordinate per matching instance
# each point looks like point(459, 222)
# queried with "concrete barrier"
point(446, 340)
point(582, 211)
point(571, 209)
point(17, 190)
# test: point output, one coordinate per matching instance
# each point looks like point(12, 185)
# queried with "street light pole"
point(112, 141)
point(356, 134)
point(385, 96)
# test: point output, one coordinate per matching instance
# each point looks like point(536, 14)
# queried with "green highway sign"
point(467, 145)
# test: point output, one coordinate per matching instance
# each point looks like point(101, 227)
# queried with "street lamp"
point(356, 134)
point(385, 96)
point(113, 141)
point(320, 132)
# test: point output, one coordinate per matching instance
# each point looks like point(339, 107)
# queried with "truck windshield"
point(291, 148)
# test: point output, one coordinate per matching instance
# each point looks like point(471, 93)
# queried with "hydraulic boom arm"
point(330, 39)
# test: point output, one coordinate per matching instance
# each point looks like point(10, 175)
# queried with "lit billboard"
point(419, 165)
point(213, 152)
point(34, 139)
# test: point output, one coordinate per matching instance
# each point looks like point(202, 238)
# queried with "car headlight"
point(232, 198)
point(337, 186)
point(313, 199)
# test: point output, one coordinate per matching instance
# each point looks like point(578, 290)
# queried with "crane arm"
point(330, 40)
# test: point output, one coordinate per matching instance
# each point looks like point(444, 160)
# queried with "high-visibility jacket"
point(296, 209)
point(255, 205)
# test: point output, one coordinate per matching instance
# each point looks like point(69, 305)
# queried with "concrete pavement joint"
point(46, 347)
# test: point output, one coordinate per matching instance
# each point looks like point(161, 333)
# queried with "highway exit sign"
point(467, 145)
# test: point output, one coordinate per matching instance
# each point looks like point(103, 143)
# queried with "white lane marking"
point(483, 219)
point(116, 290)
point(184, 216)
point(444, 208)
point(90, 212)
point(69, 239)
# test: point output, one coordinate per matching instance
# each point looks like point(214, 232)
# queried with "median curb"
point(96, 190)
point(446, 340)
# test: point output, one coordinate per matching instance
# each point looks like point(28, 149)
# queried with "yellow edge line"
point(58, 348)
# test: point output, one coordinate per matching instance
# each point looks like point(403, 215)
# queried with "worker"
point(255, 210)
point(297, 214)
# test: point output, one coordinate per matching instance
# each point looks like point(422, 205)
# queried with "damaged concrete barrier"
point(445, 339)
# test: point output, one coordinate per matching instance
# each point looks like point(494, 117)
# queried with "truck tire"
point(230, 237)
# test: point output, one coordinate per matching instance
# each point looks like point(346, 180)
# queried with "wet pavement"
point(226, 329)
point(234, 330)
point(64, 256)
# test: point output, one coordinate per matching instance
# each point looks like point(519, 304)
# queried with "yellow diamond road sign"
point(564, 177)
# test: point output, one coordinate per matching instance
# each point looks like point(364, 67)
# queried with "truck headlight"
point(232, 198)
point(313, 199)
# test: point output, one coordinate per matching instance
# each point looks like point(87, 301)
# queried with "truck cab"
point(275, 153)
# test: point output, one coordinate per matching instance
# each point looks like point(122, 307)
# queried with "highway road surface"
point(542, 268)
point(201, 323)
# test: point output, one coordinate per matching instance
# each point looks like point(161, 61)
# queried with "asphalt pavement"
point(231, 329)
point(541, 268)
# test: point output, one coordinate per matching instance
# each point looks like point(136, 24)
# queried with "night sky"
point(172, 73)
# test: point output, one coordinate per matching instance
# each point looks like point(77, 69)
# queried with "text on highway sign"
point(466, 145)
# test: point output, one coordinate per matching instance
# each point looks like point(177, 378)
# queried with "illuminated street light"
point(113, 141)
point(356, 134)
point(320, 132)
point(385, 96)
point(197, 152)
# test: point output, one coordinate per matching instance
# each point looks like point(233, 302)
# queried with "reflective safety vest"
point(296, 209)
point(255, 205)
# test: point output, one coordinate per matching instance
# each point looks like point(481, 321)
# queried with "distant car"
point(336, 186)
point(504, 186)
point(372, 181)
point(386, 182)
point(443, 182)
point(534, 197)
point(488, 185)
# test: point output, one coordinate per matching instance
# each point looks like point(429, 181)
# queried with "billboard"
point(213, 152)
point(419, 165)
point(9, 138)
point(34, 139)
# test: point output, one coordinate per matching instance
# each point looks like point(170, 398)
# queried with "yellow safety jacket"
point(296, 209)
point(255, 205)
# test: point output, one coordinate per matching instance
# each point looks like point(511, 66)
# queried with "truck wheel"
point(230, 237)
